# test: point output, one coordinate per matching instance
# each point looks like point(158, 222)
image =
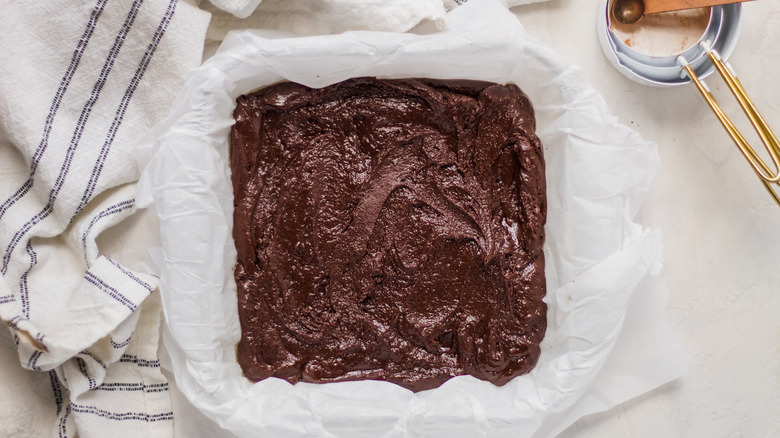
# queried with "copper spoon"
point(630, 11)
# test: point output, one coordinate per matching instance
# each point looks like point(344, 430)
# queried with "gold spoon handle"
point(768, 178)
point(655, 6)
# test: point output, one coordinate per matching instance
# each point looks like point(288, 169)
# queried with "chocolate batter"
point(389, 229)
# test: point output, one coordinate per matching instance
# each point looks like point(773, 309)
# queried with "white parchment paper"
point(598, 172)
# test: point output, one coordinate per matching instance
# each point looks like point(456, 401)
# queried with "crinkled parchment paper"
point(598, 172)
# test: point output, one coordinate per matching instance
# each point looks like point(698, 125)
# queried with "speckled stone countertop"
point(721, 232)
point(721, 238)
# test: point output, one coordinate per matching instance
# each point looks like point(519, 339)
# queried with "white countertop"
point(721, 232)
point(721, 237)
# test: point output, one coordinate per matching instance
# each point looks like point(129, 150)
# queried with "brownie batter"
point(388, 229)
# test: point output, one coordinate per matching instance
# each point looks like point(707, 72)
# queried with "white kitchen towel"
point(316, 17)
point(382, 13)
point(319, 17)
point(365, 8)
point(80, 82)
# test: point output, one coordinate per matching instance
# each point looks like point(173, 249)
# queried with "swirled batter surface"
point(388, 229)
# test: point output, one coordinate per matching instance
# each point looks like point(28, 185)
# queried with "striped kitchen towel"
point(80, 82)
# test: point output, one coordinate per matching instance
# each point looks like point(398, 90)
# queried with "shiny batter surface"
point(388, 229)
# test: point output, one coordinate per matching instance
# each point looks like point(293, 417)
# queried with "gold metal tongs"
point(768, 179)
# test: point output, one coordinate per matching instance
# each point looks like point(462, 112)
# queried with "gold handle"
point(768, 138)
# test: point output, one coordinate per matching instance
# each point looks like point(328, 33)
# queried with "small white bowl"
point(721, 34)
